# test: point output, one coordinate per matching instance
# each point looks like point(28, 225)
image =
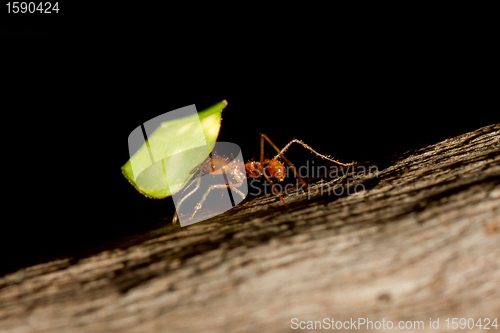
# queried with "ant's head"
point(220, 163)
point(276, 170)
point(237, 170)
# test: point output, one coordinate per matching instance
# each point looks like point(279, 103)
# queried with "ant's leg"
point(296, 174)
point(196, 177)
point(280, 153)
point(234, 188)
point(239, 192)
point(179, 203)
point(198, 206)
point(273, 188)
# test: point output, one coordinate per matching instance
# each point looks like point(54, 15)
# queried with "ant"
point(217, 165)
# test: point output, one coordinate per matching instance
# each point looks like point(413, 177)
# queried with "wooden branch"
point(416, 238)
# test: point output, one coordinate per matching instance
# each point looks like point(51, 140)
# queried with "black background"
point(79, 84)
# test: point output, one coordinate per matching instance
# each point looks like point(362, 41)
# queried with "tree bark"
point(415, 238)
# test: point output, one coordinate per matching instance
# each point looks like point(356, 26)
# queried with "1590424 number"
point(470, 323)
point(32, 7)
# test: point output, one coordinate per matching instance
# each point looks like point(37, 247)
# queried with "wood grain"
point(420, 241)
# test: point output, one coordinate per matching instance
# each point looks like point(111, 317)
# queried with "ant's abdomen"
point(276, 170)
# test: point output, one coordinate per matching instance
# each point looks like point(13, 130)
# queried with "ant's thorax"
point(274, 169)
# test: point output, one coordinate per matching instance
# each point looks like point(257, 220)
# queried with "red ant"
point(217, 165)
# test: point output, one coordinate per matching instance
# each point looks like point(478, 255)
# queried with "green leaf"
point(162, 166)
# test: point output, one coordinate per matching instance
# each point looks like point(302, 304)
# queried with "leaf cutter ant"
point(269, 168)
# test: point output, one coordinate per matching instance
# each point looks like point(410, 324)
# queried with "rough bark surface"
point(421, 241)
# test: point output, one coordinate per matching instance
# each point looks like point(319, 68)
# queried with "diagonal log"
point(415, 238)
